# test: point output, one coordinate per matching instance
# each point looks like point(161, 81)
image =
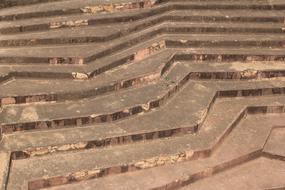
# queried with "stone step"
point(131, 157)
point(149, 70)
point(121, 128)
point(85, 53)
point(50, 89)
point(37, 116)
point(102, 34)
point(228, 157)
point(77, 7)
point(12, 3)
point(123, 25)
point(102, 65)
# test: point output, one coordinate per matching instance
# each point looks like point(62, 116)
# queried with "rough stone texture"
point(142, 94)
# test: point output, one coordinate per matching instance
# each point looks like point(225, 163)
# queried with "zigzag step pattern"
point(142, 94)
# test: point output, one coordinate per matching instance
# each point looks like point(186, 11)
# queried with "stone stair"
point(142, 94)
